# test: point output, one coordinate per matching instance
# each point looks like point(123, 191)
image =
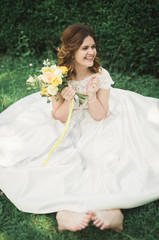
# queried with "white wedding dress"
point(112, 163)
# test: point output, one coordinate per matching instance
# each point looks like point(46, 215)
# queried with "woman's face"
point(85, 55)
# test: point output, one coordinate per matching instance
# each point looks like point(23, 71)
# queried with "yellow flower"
point(56, 81)
point(43, 91)
point(60, 80)
point(45, 69)
point(64, 69)
point(52, 70)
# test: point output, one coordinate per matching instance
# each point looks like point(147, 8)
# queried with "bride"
point(108, 159)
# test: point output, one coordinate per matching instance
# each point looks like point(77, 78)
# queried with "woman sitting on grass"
point(108, 159)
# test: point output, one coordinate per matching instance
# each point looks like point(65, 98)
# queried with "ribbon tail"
point(63, 134)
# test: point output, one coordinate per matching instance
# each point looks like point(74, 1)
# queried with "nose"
point(90, 51)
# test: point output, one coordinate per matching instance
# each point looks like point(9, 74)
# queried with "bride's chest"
point(79, 86)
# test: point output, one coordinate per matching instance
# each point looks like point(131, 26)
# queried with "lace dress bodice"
point(80, 86)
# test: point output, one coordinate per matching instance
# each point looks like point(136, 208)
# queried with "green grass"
point(140, 223)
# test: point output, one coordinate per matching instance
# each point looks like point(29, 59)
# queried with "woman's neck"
point(82, 73)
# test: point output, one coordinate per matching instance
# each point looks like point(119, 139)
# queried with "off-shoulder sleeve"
point(105, 79)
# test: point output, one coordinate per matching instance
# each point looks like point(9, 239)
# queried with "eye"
point(85, 48)
point(94, 46)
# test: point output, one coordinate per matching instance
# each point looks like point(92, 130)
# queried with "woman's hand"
point(68, 93)
point(92, 86)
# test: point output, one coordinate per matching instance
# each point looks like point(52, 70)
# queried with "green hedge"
point(127, 30)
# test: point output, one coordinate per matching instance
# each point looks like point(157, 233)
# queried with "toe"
point(86, 222)
point(94, 218)
point(99, 224)
point(96, 221)
point(83, 226)
point(88, 216)
point(102, 227)
point(105, 226)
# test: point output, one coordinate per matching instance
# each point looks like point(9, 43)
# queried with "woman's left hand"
point(92, 86)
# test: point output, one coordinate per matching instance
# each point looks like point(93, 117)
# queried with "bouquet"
point(51, 81)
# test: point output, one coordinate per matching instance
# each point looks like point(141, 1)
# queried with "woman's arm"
point(62, 106)
point(97, 99)
point(98, 104)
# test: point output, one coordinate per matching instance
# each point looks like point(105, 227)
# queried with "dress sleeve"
point(105, 79)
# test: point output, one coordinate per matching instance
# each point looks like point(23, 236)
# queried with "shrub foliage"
point(127, 30)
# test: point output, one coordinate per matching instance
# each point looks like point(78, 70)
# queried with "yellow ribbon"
point(63, 134)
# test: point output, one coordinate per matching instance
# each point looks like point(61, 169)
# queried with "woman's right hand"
point(68, 93)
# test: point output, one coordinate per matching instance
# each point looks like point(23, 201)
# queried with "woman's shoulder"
point(103, 72)
point(105, 78)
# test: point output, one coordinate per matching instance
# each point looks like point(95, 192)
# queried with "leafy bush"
point(127, 30)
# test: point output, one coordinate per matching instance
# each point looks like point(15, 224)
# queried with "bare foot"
point(108, 219)
point(72, 221)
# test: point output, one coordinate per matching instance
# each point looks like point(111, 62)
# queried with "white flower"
point(30, 79)
point(44, 69)
point(30, 64)
point(52, 90)
point(46, 62)
point(58, 72)
point(40, 77)
point(53, 67)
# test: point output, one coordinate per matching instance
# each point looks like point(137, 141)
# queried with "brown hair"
point(72, 39)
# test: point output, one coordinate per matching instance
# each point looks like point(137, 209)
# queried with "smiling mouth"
point(89, 58)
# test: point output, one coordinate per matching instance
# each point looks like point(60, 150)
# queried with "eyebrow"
point(88, 45)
